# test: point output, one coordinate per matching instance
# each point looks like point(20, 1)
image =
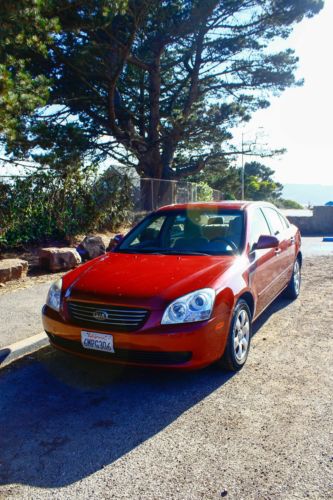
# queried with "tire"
point(239, 338)
point(294, 286)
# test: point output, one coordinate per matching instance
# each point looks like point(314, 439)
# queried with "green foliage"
point(258, 181)
point(259, 184)
point(204, 192)
point(154, 84)
point(282, 203)
point(48, 206)
point(221, 176)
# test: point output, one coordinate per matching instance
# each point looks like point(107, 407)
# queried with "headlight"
point(196, 306)
point(54, 296)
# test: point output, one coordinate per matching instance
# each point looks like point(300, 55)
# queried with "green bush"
point(283, 203)
point(48, 205)
point(204, 192)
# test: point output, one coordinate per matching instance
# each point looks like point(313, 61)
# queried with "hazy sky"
point(301, 119)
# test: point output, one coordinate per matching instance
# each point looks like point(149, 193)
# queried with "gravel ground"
point(76, 429)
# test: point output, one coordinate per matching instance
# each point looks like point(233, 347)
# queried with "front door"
point(265, 265)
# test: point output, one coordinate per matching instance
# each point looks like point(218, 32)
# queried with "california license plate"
point(97, 341)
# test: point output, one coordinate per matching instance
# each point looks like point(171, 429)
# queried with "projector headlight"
point(54, 296)
point(195, 306)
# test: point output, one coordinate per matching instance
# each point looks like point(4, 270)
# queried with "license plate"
point(97, 341)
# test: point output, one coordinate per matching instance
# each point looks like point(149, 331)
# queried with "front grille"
point(126, 355)
point(111, 318)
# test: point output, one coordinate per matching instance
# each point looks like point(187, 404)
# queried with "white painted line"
point(13, 352)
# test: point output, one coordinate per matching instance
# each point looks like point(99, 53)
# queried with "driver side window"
point(258, 227)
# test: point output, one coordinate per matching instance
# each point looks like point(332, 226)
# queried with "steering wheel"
point(226, 240)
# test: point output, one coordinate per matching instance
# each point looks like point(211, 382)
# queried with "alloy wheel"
point(241, 334)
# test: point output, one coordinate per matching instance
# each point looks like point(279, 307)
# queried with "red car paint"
point(152, 282)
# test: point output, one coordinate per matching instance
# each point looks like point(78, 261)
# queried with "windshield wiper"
point(140, 250)
point(161, 251)
point(182, 252)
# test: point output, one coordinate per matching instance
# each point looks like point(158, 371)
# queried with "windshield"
point(187, 232)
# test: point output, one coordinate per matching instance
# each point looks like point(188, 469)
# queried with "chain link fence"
point(150, 194)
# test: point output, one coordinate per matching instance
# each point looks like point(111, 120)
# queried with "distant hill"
point(313, 194)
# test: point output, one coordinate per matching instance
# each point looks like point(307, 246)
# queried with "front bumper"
point(187, 346)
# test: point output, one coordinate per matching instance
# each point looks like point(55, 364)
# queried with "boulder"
point(12, 269)
point(58, 259)
point(91, 247)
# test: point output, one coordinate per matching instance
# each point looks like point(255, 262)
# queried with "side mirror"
point(266, 241)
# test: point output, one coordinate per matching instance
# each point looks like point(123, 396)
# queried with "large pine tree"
point(153, 84)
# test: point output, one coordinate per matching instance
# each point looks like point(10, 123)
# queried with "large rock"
point(91, 247)
point(58, 259)
point(12, 269)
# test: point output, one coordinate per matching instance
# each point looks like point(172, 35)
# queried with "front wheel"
point(239, 338)
point(294, 287)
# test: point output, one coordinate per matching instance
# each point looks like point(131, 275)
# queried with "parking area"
point(77, 429)
point(314, 246)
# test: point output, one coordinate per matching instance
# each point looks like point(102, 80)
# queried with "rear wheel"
point(239, 338)
point(294, 287)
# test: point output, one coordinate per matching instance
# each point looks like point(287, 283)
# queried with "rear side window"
point(258, 227)
point(274, 220)
point(284, 221)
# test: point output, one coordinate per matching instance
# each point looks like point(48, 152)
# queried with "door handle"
point(292, 239)
point(277, 251)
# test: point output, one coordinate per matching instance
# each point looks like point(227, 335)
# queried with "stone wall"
point(321, 222)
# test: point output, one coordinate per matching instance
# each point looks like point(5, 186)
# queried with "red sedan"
point(181, 289)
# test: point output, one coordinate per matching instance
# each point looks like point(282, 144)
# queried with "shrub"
point(48, 205)
point(204, 192)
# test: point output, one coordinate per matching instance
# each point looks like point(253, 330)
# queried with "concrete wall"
point(321, 222)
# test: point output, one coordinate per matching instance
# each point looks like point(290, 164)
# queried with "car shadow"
point(62, 418)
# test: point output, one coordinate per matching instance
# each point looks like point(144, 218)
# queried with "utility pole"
point(250, 145)
point(243, 169)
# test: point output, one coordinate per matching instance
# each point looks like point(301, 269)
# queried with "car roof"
point(225, 204)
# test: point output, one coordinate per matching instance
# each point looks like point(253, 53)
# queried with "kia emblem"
point(100, 315)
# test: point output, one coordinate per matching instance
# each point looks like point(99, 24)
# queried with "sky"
point(301, 119)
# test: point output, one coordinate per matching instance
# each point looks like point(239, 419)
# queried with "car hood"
point(146, 280)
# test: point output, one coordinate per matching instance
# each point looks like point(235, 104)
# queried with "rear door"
point(286, 250)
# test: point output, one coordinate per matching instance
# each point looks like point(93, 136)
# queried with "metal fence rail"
point(150, 194)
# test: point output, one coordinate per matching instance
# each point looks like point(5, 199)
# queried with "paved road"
point(20, 313)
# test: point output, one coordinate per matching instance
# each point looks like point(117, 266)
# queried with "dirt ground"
point(77, 429)
point(35, 273)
